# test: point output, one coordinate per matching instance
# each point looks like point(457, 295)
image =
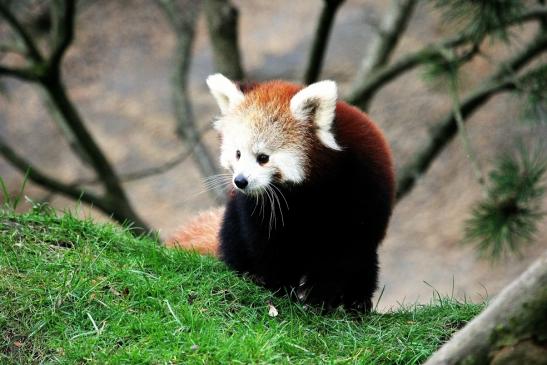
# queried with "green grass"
point(72, 291)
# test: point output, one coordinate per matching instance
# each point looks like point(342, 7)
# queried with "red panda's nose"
point(240, 181)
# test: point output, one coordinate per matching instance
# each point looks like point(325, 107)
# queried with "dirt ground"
point(118, 75)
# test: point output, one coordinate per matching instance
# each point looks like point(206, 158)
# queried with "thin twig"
point(466, 143)
point(154, 170)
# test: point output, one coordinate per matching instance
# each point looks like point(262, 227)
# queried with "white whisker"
point(282, 195)
point(217, 185)
point(276, 196)
point(271, 211)
point(256, 203)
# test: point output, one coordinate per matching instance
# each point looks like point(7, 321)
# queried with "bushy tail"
point(200, 234)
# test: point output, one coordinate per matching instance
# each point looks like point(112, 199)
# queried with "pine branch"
point(502, 80)
point(481, 18)
point(222, 21)
point(462, 130)
point(393, 27)
point(363, 91)
point(319, 46)
point(471, 156)
point(508, 215)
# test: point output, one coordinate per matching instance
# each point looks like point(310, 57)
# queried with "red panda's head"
point(269, 132)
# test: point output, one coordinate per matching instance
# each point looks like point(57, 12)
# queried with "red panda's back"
point(355, 131)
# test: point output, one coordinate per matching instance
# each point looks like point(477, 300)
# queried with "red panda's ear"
point(317, 103)
point(226, 93)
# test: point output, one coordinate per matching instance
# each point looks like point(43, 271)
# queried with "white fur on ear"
point(226, 93)
point(317, 103)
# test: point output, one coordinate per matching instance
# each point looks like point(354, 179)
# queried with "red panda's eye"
point(262, 158)
point(238, 154)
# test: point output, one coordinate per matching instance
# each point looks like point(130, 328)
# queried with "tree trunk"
point(321, 39)
point(511, 330)
point(222, 21)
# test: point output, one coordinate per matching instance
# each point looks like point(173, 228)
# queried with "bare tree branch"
point(50, 183)
point(120, 212)
point(509, 330)
point(222, 21)
point(115, 193)
point(362, 93)
point(393, 27)
point(503, 79)
point(9, 47)
point(183, 23)
point(33, 50)
point(364, 90)
point(466, 142)
point(25, 74)
point(72, 140)
point(151, 171)
point(47, 74)
point(319, 46)
point(63, 14)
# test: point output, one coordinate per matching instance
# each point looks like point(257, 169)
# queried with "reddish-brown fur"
point(200, 234)
point(269, 103)
point(353, 130)
point(356, 131)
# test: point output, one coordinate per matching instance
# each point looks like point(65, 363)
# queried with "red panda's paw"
point(200, 234)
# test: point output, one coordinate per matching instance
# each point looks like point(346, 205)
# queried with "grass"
point(72, 291)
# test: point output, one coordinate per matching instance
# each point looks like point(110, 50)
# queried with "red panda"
point(313, 191)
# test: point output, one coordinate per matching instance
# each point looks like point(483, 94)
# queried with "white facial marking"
point(252, 134)
point(235, 136)
point(317, 103)
point(238, 135)
point(290, 162)
point(226, 93)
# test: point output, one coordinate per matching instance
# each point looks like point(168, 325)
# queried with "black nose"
point(240, 181)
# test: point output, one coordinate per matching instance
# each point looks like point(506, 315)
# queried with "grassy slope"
point(73, 291)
